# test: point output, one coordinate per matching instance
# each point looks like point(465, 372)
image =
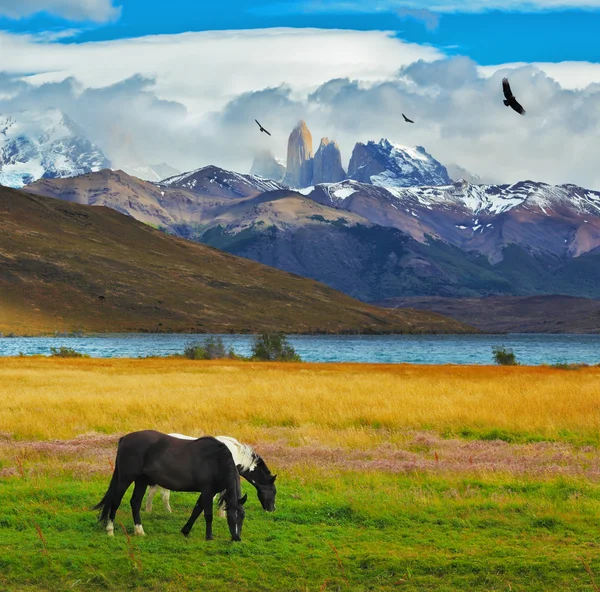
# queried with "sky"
point(182, 82)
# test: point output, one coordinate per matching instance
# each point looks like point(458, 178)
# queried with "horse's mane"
point(243, 454)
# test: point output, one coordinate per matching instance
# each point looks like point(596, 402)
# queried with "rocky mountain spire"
point(327, 165)
point(299, 171)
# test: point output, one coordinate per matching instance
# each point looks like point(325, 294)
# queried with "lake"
point(414, 349)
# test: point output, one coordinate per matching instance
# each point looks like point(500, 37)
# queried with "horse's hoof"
point(235, 539)
point(139, 530)
point(111, 533)
point(185, 533)
point(209, 538)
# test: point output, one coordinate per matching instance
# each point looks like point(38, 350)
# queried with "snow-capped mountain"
point(374, 242)
point(217, 182)
point(496, 199)
point(559, 220)
point(393, 165)
point(47, 144)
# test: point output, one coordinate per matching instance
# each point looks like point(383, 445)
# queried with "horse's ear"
point(243, 500)
point(274, 477)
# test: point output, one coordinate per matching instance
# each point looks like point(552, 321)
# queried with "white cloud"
point(191, 99)
point(99, 11)
point(571, 75)
point(205, 70)
point(199, 72)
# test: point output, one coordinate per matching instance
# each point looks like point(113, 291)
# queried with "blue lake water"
point(415, 349)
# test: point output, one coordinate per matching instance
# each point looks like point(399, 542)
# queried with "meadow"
point(390, 477)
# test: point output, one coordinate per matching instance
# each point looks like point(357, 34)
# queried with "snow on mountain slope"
point(212, 180)
point(47, 144)
point(478, 199)
point(392, 165)
point(562, 221)
point(496, 199)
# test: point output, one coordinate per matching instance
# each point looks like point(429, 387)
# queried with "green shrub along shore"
point(339, 531)
point(267, 347)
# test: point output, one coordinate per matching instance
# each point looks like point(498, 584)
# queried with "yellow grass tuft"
point(351, 405)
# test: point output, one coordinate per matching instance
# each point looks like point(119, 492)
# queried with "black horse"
point(152, 458)
point(250, 465)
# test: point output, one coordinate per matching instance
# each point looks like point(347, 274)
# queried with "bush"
point(503, 356)
point(273, 347)
point(66, 352)
point(567, 366)
point(211, 348)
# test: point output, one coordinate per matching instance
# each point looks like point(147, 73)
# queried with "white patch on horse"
point(110, 528)
point(139, 529)
point(243, 454)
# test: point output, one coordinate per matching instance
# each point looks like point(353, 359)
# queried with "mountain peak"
point(299, 170)
point(390, 164)
point(44, 144)
point(327, 163)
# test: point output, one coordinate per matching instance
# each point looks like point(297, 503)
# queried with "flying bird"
point(262, 129)
point(510, 100)
point(407, 119)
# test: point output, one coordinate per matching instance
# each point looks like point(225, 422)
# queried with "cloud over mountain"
point(191, 100)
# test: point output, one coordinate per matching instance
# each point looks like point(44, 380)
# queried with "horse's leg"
point(122, 487)
point(141, 483)
point(151, 493)
point(166, 495)
point(207, 502)
point(195, 513)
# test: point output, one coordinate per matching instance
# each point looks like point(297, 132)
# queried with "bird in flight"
point(262, 129)
point(510, 100)
point(407, 119)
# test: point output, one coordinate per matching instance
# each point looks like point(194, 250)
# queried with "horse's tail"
point(106, 502)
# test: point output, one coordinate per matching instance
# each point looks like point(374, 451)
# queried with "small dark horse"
point(152, 458)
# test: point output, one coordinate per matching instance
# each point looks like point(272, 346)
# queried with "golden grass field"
point(349, 405)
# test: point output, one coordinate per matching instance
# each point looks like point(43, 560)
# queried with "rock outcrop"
point(327, 165)
point(299, 170)
point(388, 164)
point(267, 166)
point(362, 164)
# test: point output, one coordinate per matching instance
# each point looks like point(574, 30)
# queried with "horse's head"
point(235, 517)
point(266, 494)
point(264, 482)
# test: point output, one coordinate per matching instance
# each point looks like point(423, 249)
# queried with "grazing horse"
point(250, 465)
point(152, 458)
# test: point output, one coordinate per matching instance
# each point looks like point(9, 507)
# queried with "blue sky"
point(489, 37)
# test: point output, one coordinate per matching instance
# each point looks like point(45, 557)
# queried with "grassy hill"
point(67, 267)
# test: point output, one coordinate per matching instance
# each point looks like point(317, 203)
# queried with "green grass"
point(346, 531)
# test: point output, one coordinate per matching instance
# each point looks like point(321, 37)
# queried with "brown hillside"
point(66, 267)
